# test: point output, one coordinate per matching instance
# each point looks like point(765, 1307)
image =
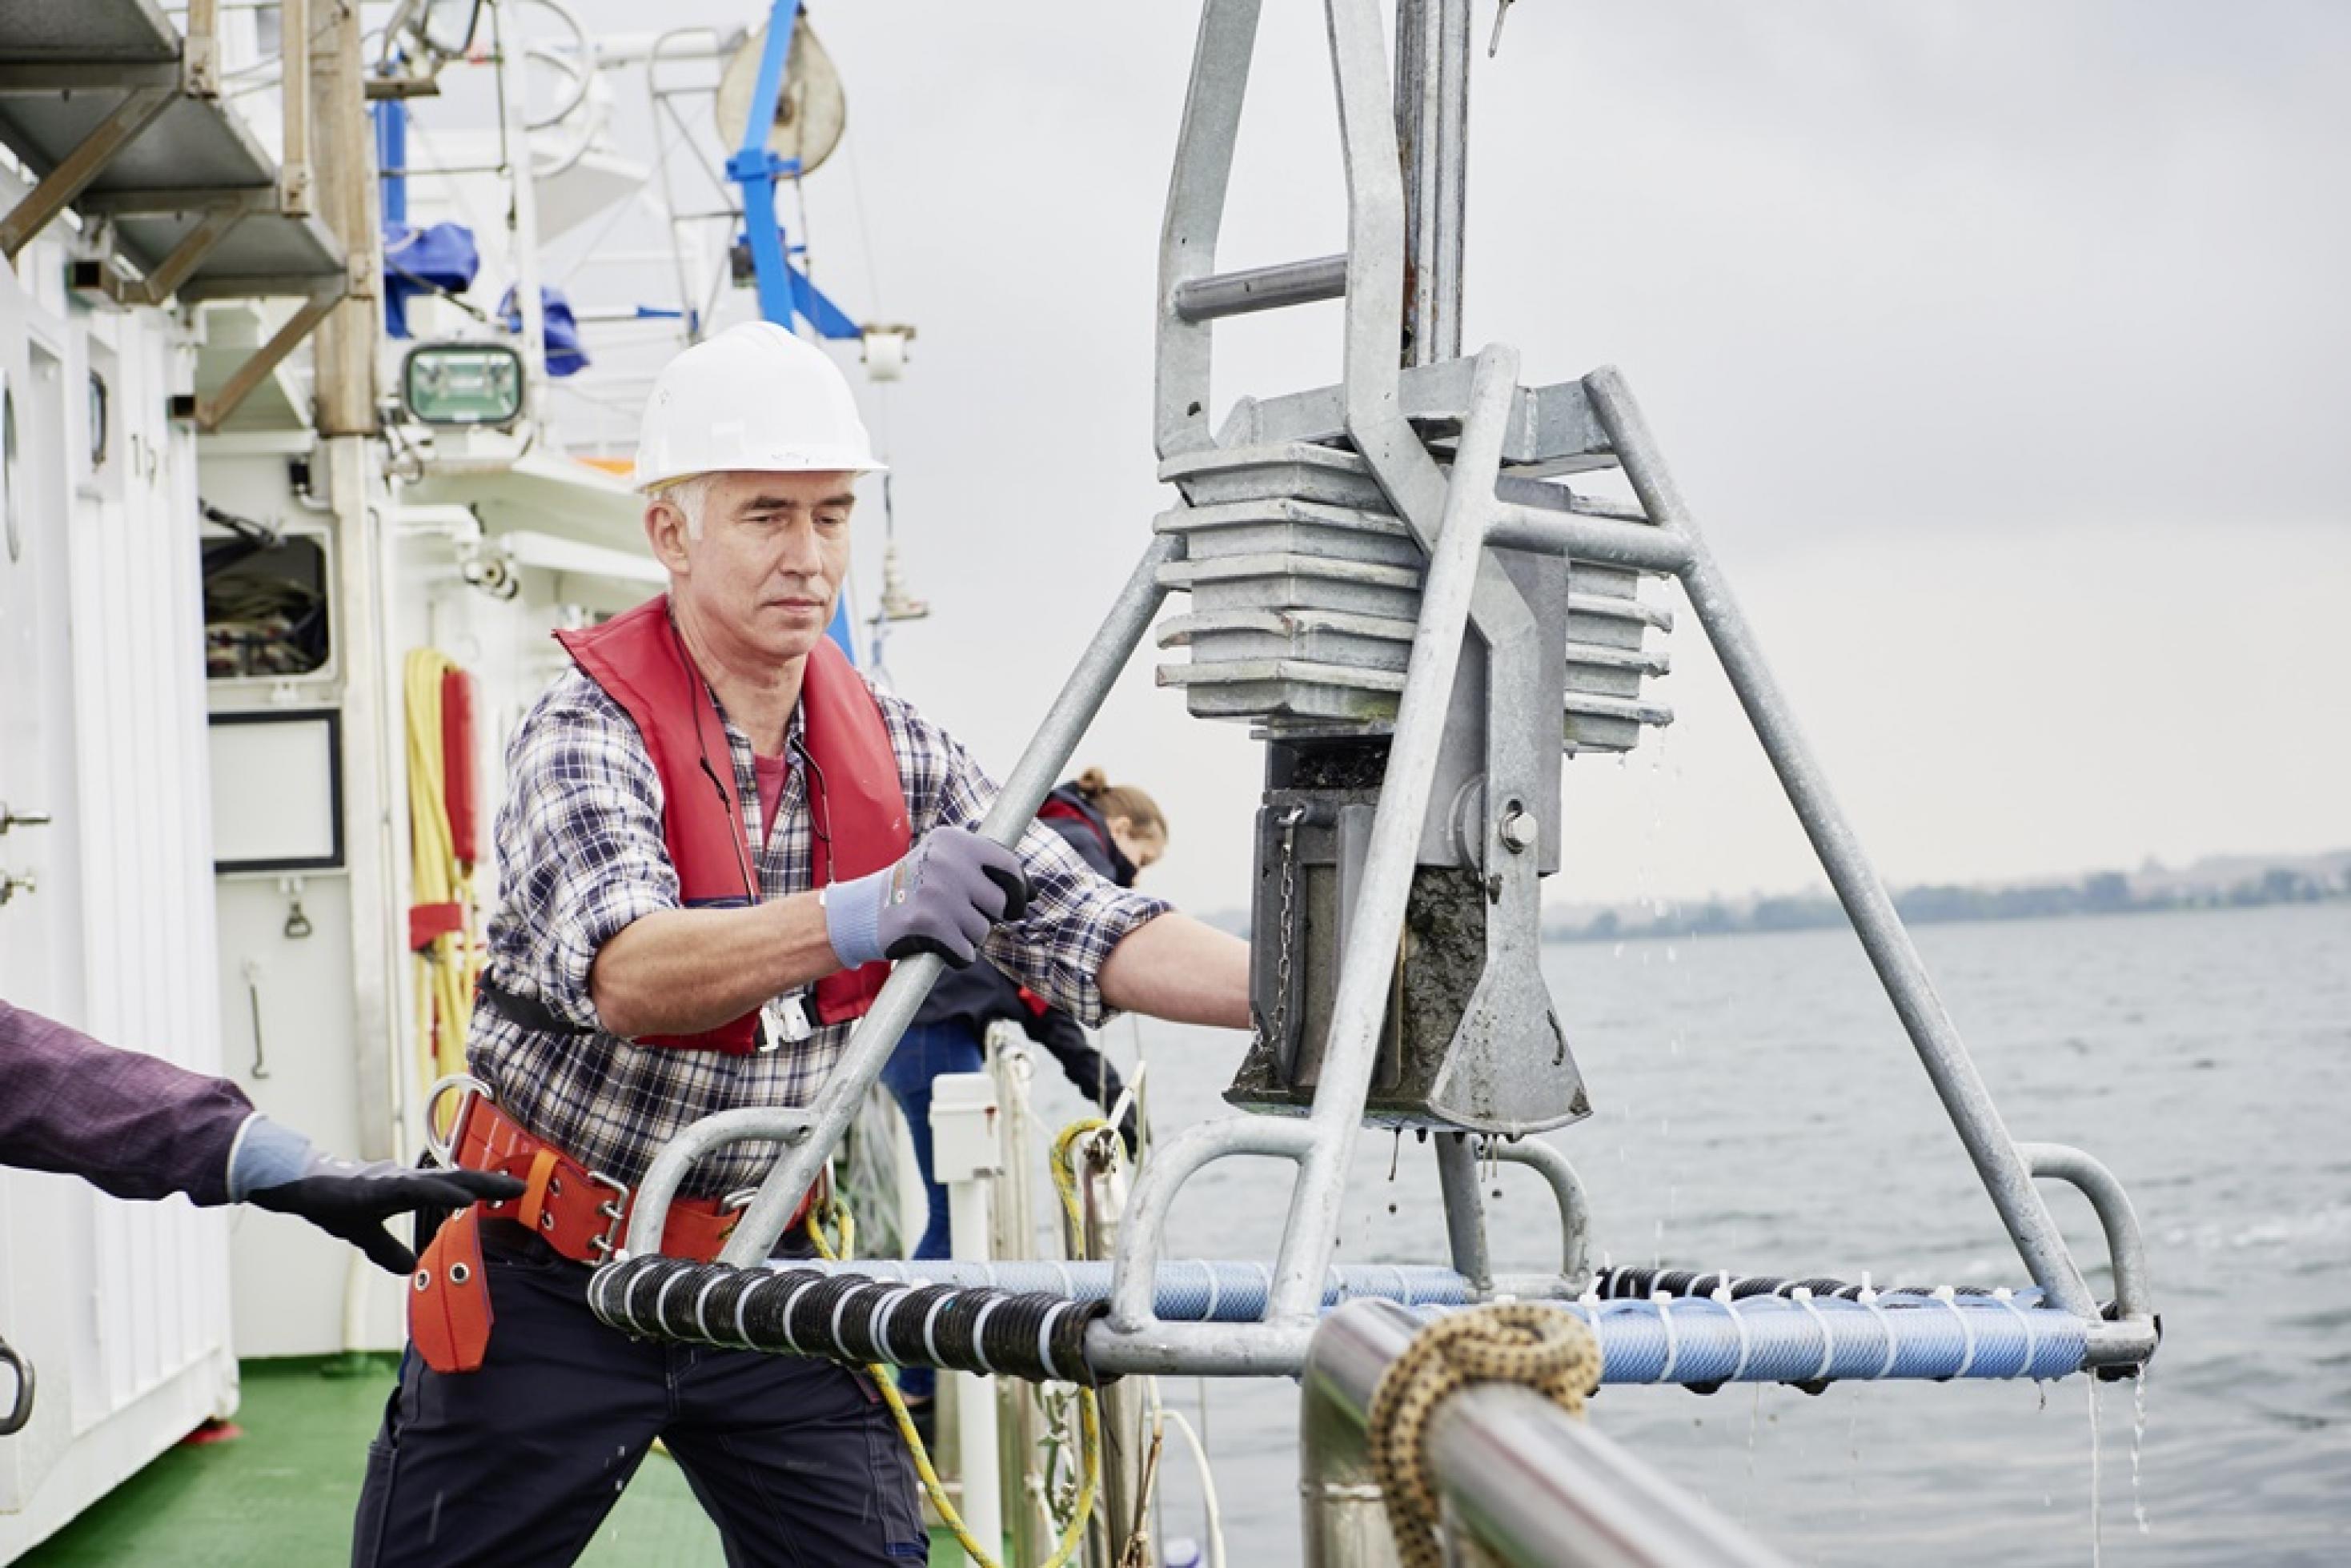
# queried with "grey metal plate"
point(1304, 591)
point(1291, 689)
point(1287, 469)
point(194, 143)
point(1284, 525)
point(85, 30)
point(1611, 672)
point(1356, 642)
point(266, 244)
point(1553, 429)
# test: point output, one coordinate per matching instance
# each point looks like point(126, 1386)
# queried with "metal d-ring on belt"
point(22, 1411)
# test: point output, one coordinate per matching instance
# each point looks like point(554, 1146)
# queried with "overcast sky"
point(2004, 348)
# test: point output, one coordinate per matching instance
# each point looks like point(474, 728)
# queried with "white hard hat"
point(754, 397)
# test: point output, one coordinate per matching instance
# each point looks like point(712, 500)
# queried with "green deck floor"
point(283, 1493)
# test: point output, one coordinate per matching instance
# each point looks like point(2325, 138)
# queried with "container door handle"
point(9, 819)
point(22, 1411)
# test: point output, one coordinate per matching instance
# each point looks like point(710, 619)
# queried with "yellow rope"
point(447, 968)
point(1546, 1348)
point(841, 1245)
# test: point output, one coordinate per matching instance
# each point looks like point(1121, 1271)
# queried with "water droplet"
point(2097, 1534)
point(2138, 1441)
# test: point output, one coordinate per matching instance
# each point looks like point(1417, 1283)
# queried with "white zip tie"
point(742, 1305)
point(1673, 1346)
point(1068, 1280)
point(661, 1302)
point(790, 1301)
point(930, 1328)
point(1950, 1298)
point(1045, 1339)
point(2007, 1298)
point(1722, 1298)
point(882, 1317)
point(595, 1289)
point(1885, 1324)
point(979, 1346)
point(1803, 1296)
point(1215, 1292)
point(701, 1300)
point(841, 1306)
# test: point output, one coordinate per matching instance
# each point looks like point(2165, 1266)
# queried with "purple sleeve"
point(129, 1124)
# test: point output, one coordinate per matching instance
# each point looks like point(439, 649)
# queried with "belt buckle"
point(615, 1211)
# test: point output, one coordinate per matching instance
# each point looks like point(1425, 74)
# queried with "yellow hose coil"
point(447, 967)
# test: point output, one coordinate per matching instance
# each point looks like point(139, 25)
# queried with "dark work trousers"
point(798, 1460)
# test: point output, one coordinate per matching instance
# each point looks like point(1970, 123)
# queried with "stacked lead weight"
point(1305, 588)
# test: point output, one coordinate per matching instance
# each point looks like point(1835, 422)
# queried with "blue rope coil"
point(1699, 1342)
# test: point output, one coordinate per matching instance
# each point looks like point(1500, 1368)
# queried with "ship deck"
point(283, 1491)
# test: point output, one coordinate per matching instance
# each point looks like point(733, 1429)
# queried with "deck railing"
point(1523, 1482)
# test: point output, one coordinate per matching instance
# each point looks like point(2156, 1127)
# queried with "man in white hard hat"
point(715, 838)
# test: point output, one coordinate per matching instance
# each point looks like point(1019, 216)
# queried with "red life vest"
point(641, 662)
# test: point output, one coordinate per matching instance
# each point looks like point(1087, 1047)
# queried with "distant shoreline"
point(2107, 892)
point(2239, 882)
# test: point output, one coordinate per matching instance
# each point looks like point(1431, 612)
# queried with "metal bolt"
point(1519, 831)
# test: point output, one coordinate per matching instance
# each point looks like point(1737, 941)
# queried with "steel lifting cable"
point(1545, 1348)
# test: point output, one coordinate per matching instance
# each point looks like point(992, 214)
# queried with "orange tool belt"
point(580, 1213)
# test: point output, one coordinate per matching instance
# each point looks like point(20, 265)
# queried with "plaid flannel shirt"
point(581, 854)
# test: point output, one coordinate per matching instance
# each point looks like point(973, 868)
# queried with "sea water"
point(1756, 1108)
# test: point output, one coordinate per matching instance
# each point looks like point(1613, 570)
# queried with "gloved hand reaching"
point(345, 1199)
point(942, 898)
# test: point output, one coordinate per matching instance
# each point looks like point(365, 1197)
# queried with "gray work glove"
point(941, 899)
point(350, 1200)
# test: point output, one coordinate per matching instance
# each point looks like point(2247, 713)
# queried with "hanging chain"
point(1296, 815)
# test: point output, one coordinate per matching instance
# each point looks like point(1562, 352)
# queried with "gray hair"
point(691, 496)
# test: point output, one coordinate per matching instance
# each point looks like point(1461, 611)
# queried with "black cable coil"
point(852, 1319)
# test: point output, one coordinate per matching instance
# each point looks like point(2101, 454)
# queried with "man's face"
point(771, 557)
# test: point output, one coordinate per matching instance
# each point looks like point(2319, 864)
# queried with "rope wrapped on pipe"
point(850, 1318)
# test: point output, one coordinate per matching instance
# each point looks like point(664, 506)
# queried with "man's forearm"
point(681, 971)
point(1174, 968)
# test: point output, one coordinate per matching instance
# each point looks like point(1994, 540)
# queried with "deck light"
point(461, 384)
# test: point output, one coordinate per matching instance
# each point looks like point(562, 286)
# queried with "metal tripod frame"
point(1458, 516)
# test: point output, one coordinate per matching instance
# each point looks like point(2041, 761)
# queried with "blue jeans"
point(926, 1050)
